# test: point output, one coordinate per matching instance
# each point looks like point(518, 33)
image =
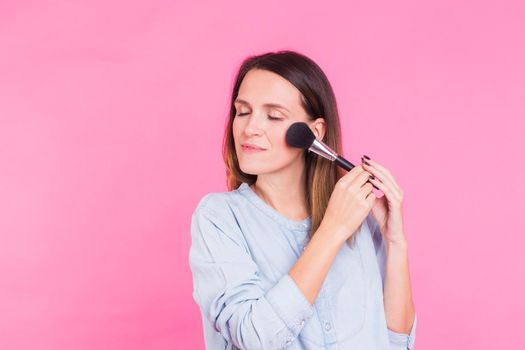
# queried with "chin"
point(260, 168)
point(252, 170)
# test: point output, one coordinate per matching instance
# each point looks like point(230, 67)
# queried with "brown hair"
point(318, 100)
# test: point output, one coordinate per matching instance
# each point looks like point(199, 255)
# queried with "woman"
point(298, 254)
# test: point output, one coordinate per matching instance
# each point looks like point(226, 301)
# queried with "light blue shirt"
point(240, 255)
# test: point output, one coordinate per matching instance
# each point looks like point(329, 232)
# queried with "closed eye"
point(269, 116)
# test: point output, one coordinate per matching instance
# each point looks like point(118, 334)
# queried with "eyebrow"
point(275, 105)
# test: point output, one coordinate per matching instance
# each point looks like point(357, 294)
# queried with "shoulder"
point(216, 202)
point(219, 207)
point(216, 216)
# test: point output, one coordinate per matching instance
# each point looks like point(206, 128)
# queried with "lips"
point(252, 146)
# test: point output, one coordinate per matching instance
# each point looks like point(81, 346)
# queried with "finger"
point(349, 177)
point(381, 173)
point(370, 198)
point(390, 194)
point(366, 189)
point(384, 173)
point(370, 170)
point(361, 179)
point(377, 188)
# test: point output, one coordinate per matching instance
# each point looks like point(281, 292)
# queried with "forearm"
point(313, 265)
point(399, 306)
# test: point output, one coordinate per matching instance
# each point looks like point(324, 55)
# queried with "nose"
point(254, 125)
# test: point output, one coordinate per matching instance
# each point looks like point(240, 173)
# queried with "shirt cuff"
point(290, 304)
point(402, 340)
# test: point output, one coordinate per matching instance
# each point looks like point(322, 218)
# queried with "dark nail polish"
point(364, 161)
point(372, 177)
point(367, 157)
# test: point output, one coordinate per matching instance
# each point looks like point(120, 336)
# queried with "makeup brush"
point(299, 135)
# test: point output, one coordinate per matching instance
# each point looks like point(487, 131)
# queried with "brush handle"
point(343, 163)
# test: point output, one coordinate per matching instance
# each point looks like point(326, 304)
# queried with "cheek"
point(279, 145)
point(278, 136)
point(235, 128)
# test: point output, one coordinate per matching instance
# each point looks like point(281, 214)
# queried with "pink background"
point(111, 119)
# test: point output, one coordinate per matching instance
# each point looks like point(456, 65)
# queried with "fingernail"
point(372, 177)
point(367, 157)
point(364, 161)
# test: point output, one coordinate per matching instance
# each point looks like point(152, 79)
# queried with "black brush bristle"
point(299, 135)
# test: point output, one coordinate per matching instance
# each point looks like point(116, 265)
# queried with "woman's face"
point(267, 104)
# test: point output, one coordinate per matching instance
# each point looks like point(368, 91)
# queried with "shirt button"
point(302, 323)
point(327, 326)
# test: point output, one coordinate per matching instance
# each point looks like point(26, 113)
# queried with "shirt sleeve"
point(398, 341)
point(228, 288)
point(403, 341)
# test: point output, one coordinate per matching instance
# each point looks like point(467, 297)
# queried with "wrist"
point(398, 245)
point(335, 235)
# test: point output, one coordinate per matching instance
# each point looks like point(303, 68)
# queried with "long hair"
point(318, 100)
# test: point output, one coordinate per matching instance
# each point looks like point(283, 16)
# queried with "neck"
point(285, 194)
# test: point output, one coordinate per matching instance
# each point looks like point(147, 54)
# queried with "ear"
point(318, 127)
